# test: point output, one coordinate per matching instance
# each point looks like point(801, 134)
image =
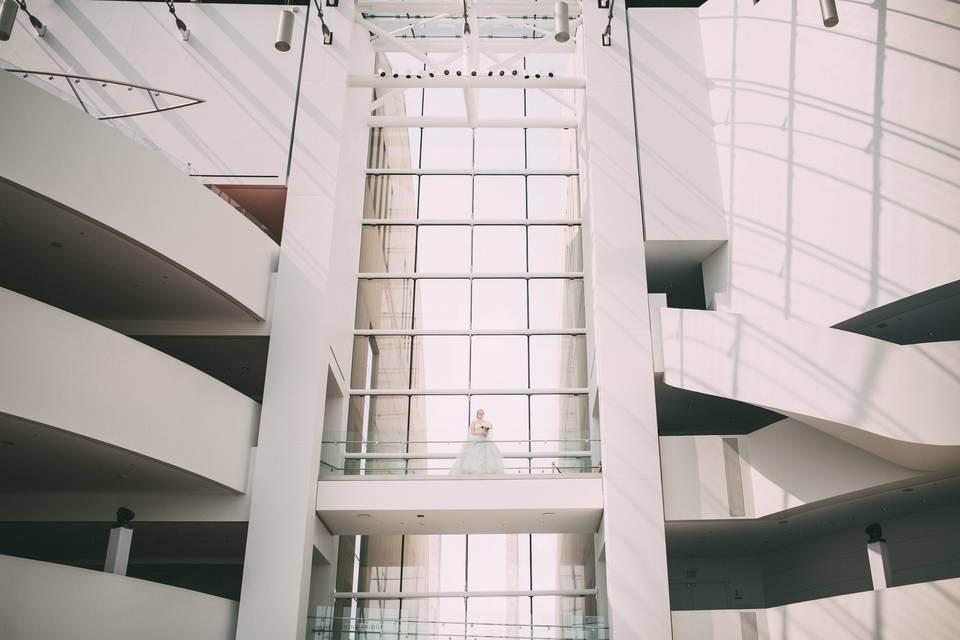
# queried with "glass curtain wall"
point(470, 292)
point(410, 571)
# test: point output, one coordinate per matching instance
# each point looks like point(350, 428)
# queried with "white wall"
point(39, 601)
point(741, 575)
point(131, 190)
point(929, 611)
point(898, 402)
point(775, 471)
point(229, 61)
point(678, 166)
point(837, 152)
point(66, 372)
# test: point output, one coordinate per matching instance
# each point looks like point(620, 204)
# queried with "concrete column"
point(622, 358)
point(311, 329)
point(879, 558)
point(118, 551)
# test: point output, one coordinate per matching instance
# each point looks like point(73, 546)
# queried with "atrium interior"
point(480, 319)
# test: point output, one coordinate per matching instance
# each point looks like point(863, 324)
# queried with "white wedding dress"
point(479, 455)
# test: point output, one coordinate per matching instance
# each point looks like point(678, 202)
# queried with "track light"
point(828, 8)
point(8, 18)
point(181, 25)
point(606, 38)
point(327, 34)
point(40, 28)
point(466, 21)
point(284, 30)
point(561, 21)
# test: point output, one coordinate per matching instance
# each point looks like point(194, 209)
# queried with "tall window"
point(470, 291)
point(392, 574)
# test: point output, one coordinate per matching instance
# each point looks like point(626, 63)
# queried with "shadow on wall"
point(839, 156)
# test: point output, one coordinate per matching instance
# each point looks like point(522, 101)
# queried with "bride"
point(479, 454)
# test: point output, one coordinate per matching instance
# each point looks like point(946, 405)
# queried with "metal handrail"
point(151, 92)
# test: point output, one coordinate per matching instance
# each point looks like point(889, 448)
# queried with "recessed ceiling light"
point(363, 515)
point(9, 443)
point(907, 490)
point(56, 245)
point(782, 522)
point(420, 515)
point(549, 513)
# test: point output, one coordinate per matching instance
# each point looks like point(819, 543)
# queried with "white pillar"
point(879, 559)
point(311, 329)
point(633, 528)
point(118, 551)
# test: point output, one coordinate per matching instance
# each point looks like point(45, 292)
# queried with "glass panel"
point(500, 103)
point(438, 424)
point(553, 197)
point(441, 362)
point(387, 249)
point(443, 249)
point(499, 149)
point(384, 304)
point(444, 102)
point(494, 564)
point(394, 148)
point(390, 197)
point(445, 197)
point(555, 249)
point(446, 148)
point(380, 564)
point(566, 618)
point(499, 304)
point(381, 428)
point(558, 361)
point(499, 197)
point(550, 149)
point(443, 304)
point(391, 361)
point(561, 423)
point(499, 362)
point(556, 304)
point(499, 250)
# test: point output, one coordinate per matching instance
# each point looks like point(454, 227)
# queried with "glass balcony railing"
point(66, 89)
point(326, 626)
point(452, 458)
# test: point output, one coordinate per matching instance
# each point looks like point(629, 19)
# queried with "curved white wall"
point(71, 158)
point(899, 402)
point(837, 151)
point(925, 611)
point(68, 373)
point(772, 472)
point(39, 601)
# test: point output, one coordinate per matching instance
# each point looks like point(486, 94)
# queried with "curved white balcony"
point(901, 403)
point(42, 600)
point(88, 408)
point(768, 472)
point(923, 611)
point(99, 224)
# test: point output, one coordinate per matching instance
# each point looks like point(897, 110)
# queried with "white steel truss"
point(470, 77)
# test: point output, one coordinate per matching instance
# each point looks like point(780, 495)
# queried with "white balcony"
point(352, 505)
point(39, 600)
point(923, 611)
point(900, 403)
point(100, 225)
point(83, 408)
